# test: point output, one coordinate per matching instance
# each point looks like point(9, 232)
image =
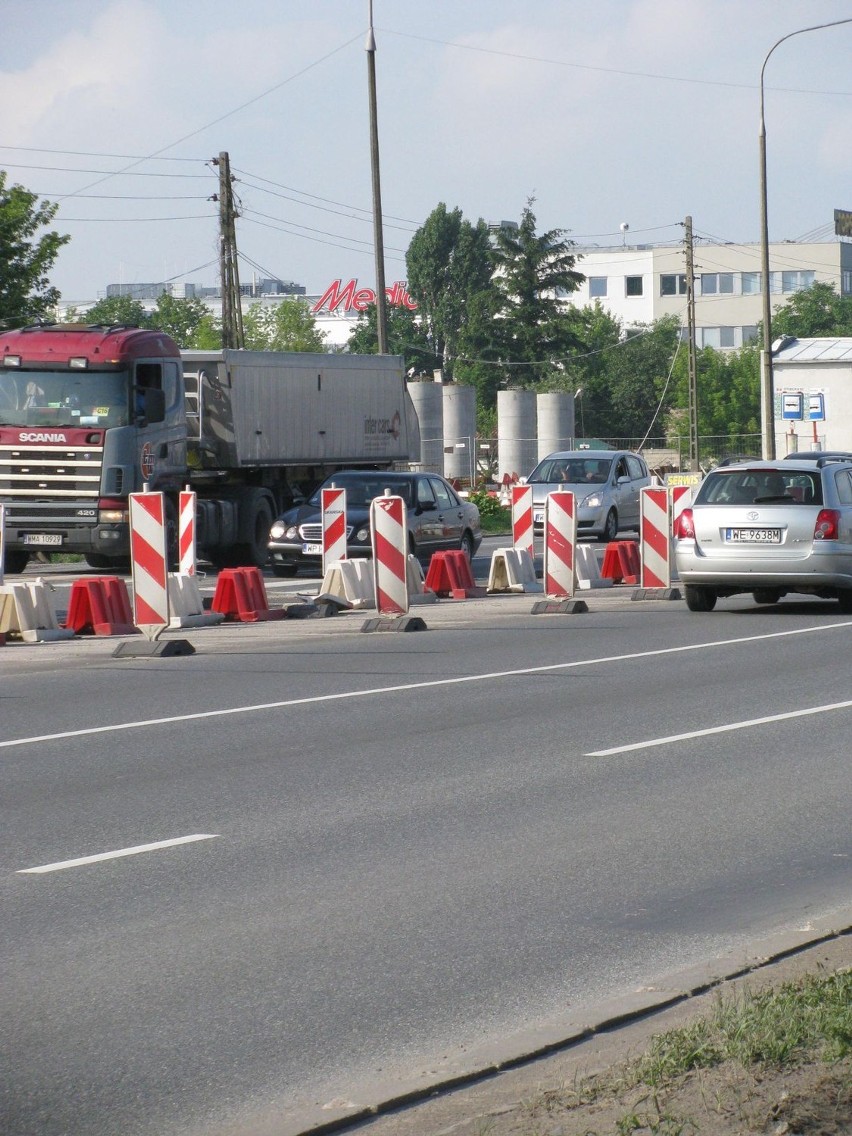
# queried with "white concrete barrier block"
point(588, 569)
point(512, 570)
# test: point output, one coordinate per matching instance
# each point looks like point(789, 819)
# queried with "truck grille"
point(40, 472)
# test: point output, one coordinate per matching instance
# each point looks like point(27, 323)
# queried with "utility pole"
point(378, 238)
point(693, 370)
point(232, 311)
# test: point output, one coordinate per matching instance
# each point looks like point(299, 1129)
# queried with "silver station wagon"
point(769, 528)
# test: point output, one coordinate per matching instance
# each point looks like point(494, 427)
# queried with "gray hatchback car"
point(606, 484)
point(769, 528)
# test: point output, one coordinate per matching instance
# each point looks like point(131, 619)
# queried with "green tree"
point(405, 337)
point(449, 262)
point(183, 318)
point(26, 258)
point(814, 312)
point(533, 325)
point(116, 310)
point(286, 326)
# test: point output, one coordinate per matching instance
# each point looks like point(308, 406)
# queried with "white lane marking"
point(458, 680)
point(652, 742)
point(60, 865)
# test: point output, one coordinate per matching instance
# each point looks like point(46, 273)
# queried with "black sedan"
point(438, 519)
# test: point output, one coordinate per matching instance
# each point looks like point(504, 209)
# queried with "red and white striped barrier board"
point(681, 497)
point(655, 527)
point(149, 562)
point(186, 533)
point(2, 540)
point(333, 507)
point(389, 533)
point(522, 518)
point(560, 540)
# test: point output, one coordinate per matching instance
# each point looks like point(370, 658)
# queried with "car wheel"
point(766, 596)
point(610, 529)
point(284, 571)
point(699, 599)
point(467, 545)
point(16, 561)
point(844, 598)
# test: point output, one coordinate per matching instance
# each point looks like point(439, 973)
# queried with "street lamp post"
point(378, 237)
point(767, 393)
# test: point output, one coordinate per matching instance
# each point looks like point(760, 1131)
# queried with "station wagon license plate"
point(42, 539)
point(312, 550)
point(752, 536)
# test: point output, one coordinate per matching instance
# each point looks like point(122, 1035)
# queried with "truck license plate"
point(753, 536)
point(312, 550)
point(42, 538)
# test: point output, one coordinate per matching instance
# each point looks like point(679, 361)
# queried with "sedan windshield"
point(564, 471)
point(361, 490)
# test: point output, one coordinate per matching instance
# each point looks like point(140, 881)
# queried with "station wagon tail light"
point(684, 526)
point(827, 525)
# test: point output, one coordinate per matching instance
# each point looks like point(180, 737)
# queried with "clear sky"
point(604, 111)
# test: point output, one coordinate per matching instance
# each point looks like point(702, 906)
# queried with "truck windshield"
point(64, 398)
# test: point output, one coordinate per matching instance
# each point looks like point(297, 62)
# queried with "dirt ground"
point(550, 1097)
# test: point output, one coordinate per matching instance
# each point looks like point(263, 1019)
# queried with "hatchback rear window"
point(761, 486)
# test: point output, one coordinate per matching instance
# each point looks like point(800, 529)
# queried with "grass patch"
point(798, 1021)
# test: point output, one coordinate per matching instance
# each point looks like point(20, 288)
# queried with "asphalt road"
point(415, 847)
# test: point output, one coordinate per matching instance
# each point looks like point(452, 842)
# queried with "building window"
point(846, 283)
point(709, 337)
point(633, 285)
point(751, 283)
point(672, 285)
point(726, 337)
point(717, 283)
point(749, 334)
point(597, 286)
point(796, 281)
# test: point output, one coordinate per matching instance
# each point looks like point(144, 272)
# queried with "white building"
point(639, 284)
point(813, 394)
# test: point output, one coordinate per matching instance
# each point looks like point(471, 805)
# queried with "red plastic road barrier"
point(560, 539)
point(621, 562)
point(522, 518)
point(655, 536)
point(241, 595)
point(450, 575)
point(100, 607)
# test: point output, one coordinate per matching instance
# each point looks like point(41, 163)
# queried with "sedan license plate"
point(538, 517)
point(42, 538)
point(312, 550)
point(752, 536)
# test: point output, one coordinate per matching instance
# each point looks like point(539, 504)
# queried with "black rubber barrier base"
point(656, 594)
point(399, 623)
point(559, 607)
point(158, 649)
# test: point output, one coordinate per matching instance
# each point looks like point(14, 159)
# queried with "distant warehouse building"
point(813, 394)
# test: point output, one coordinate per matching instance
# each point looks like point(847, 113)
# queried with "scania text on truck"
point(89, 414)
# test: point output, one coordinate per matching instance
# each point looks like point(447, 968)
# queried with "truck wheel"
point(15, 560)
point(254, 553)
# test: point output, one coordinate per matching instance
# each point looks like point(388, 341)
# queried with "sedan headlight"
point(593, 501)
point(292, 533)
point(277, 530)
point(362, 535)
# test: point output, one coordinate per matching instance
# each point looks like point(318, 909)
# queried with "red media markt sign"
point(349, 297)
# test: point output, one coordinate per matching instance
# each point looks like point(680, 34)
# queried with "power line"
point(607, 70)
